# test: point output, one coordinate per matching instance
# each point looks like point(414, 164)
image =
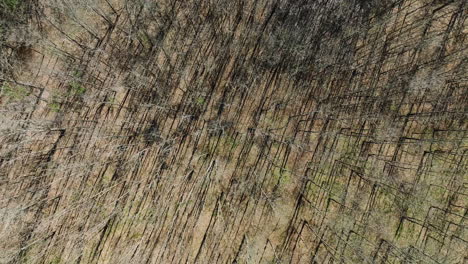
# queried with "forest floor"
point(217, 131)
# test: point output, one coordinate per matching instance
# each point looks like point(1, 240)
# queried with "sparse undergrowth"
point(233, 132)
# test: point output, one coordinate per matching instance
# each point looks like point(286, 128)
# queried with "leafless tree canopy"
point(233, 131)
